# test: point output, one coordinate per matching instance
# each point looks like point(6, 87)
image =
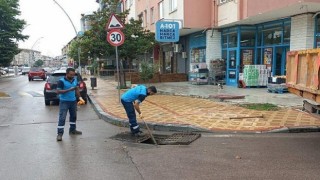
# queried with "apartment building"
point(242, 32)
point(26, 57)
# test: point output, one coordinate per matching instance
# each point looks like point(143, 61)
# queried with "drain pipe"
point(215, 16)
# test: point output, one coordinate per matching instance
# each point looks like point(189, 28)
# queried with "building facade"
point(242, 32)
point(26, 57)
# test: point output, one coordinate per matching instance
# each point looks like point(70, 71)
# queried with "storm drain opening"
point(173, 139)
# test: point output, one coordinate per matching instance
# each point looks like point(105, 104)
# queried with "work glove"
point(140, 116)
point(81, 101)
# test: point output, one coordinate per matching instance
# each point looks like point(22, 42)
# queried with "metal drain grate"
point(178, 139)
point(174, 139)
point(127, 136)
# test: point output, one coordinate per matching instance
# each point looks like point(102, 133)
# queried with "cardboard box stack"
point(255, 75)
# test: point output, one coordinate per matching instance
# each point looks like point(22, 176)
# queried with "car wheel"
point(47, 102)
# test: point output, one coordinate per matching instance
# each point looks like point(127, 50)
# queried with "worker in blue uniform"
point(131, 101)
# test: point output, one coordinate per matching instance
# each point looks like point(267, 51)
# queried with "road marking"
point(25, 94)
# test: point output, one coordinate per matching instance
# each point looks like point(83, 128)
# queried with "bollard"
point(93, 82)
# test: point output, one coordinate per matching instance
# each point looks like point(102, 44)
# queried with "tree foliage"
point(38, 63)
point(94, 44)
point(10, 30)
point(147, 71)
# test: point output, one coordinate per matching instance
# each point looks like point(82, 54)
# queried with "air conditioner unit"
point(177, 48)
point(184, 55)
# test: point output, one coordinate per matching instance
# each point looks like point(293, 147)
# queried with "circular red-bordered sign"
point(115, 37)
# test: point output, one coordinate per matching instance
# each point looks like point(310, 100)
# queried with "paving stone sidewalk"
point(170, 108)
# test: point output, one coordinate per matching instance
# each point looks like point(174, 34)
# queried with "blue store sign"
point(167, 31)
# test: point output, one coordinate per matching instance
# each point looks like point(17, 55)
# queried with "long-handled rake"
point(153, 139)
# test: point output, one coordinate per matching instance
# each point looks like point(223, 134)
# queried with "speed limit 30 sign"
point(115, 37)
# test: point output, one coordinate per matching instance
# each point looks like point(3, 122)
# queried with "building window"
point(151, 15)
point(233, 40)
point(317, 38)
point(161, 10)
point(248, 38)
point(286, 33)
point(173, 5)
point(146, 18)
point(272, 36)
point(141, 19)
point(198, 55)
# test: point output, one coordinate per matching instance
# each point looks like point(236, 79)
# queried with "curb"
point(187, 128)
point(153, 126)
point(305, 129)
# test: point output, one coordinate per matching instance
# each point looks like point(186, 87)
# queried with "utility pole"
point(31, 55)
point(75, 30)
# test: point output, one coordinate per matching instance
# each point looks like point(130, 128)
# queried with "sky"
point(48, 27)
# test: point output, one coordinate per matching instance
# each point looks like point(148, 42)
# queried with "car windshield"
point(35, 69)
point(54, 78)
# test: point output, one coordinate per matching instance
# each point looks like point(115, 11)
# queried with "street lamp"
point(31, 51)
point(75, 30)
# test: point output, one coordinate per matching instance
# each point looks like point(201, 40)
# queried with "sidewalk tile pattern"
point(203, 113)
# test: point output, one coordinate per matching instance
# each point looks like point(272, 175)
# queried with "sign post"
point(116, 38)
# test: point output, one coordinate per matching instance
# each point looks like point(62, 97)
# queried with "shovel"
point(153, 139)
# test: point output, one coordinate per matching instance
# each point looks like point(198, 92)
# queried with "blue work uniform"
point(67, 103)
point(138, 93)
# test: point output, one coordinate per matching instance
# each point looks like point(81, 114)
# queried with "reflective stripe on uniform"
point(72, 123)
point(60, 127)
point(136, 127)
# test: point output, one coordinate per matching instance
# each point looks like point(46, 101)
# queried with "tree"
point(38, 63)
point(93, 43)
point(10, 30)
point(147, 71)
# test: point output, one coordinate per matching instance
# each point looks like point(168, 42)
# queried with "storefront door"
point(279, 65)
point(232, 69)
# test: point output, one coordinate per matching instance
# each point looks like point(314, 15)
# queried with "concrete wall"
point(213, 50)
point(228, 13)
point(302, 32)
point(196, 14)
point(254, 7)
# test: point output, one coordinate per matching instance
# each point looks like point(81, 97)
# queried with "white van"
point(25, 70)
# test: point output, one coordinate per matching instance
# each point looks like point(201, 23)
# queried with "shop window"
point(224, 54)
point(248, 38)
point(286, 34)
point(247, 56)
point(233, 39)
point(168, 63)
point(198, 55)
point(259, 56)
point(317, 38)
point(224, 41)
point(259, 38)
point(272, 36)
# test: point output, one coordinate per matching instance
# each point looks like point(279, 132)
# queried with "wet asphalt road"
point(29, 150)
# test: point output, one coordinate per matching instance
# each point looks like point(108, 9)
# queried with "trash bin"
point(93, 82)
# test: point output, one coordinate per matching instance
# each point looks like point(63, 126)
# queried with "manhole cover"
point(174, 139)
